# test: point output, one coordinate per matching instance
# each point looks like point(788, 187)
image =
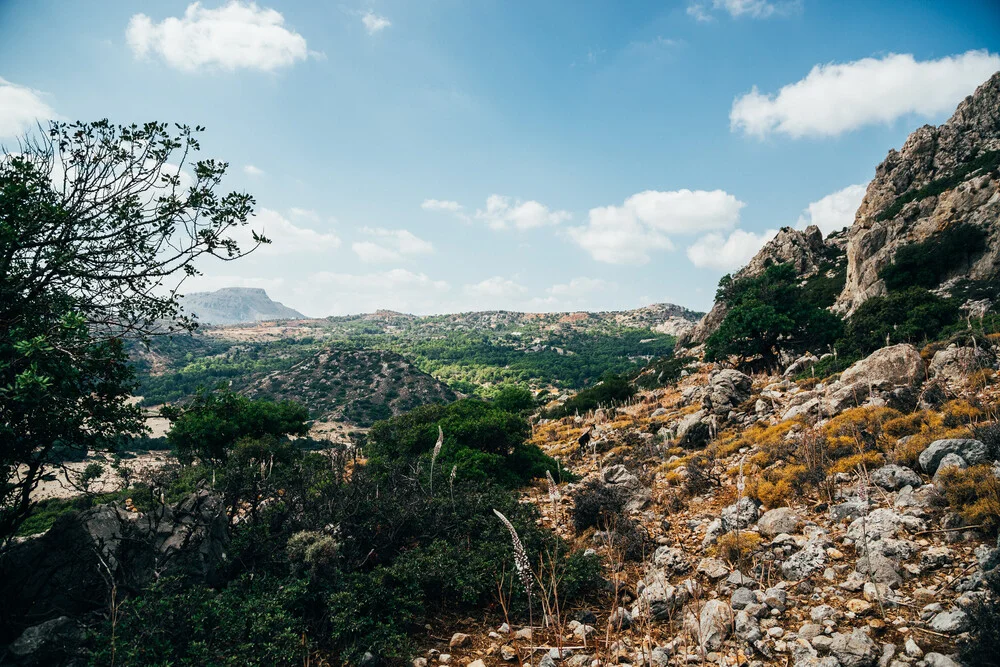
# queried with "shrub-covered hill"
point(356, 386)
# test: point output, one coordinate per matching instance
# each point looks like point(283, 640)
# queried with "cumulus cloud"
point(626, 234)
point(727, 253)
point(392, 245)
point(21, 108)
point(837, 98)
point(237, 35)
point(834, 211)
point(374, 23)
point(505, 212)
point(251, 170)
point(286, 237)
point(755, 9)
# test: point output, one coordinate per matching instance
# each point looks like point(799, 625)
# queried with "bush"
point(767, 314)
point(982, 647)
point(612, 390)
point(913, 315)
point(974, 493)
point(736, 548)
point(597, 505)
point(928, 263)
point(484, 441)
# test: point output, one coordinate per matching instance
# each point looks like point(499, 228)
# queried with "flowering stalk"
point(434, 455)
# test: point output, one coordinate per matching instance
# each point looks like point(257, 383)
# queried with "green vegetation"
point(913, 315)
point(207, 427)
point(986, 162)
point(82, 265)
point(610, 391)
point(482, 441)
point(928, 263)
point(768, 313)
point(342, 562)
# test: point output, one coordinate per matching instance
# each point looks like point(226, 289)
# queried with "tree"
point(99, 226)
point(767, 313)
point(213, 422)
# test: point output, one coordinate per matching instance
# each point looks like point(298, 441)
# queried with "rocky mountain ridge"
point(236, 305)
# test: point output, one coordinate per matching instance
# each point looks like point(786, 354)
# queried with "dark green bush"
point(610, 391)
point(927, 263)
point(767, 314)
point(597, 505)
point(913, 315)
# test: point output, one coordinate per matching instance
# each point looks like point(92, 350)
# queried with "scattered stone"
point(949, 460)
point(854, 650)
point(894, 477)
point(911, 649)
point(972, 451)
point(460, 640)
point(779, 520)
point(950, 622)
point(671, 558)
point(715, 624)
point(739, 515)
point(741, 598)
point(50, 643)
point(803, 563)
point(859, 606)
point(890, 366)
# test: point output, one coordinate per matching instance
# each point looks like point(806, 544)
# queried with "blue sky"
point(445, 155)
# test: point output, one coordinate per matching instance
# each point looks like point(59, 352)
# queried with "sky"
point(434, 156)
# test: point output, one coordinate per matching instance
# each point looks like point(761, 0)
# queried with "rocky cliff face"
point(931, 156)
point(237, 305)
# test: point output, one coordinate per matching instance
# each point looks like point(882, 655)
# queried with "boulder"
point(855, 650)
point(950, 622)
point(620, 479)
point(954, 364)
point(803, 363)
point(726, 390)
point(53, 642)
point(740, 514)
point(891, 366)
point(779, 520)
point(894, 477)
point(672, 559)
point(949, 460)
point(65, 571)
point(973, 451)
point(715, 624)
point(800, 565)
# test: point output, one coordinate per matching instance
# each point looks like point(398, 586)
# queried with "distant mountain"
point(355, 386)
point(236, 305)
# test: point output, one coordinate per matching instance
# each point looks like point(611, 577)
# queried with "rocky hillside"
point(355, 386)
point(236, 305)
point(758, 520)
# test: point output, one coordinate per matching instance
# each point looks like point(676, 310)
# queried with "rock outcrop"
point(929, 154)
point(806, 249)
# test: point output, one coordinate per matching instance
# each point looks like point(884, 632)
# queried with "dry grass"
point(862, 461)
point(975, 494)
point(737, 547)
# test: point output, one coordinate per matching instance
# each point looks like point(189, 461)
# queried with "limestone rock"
point(715, 624)
point(779, 520)
point(972, 451)
point(894, 477)
point(890, 366)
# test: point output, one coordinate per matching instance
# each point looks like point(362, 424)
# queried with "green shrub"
point(927, 263)
point(913, 315)
point(610, 391)
point(769, 313)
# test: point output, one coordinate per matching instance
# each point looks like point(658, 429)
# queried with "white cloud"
point(505, 212)
point(286, 237)
point(834, 211)
point(393, 245)
point(755, 9)
point(496, 287)
point(251, 170)
point(21, 108)
point(238, 35)
point(727, 253)
point(374, 23)
point(626, 234)
point(441, 205)
point(837, 98)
